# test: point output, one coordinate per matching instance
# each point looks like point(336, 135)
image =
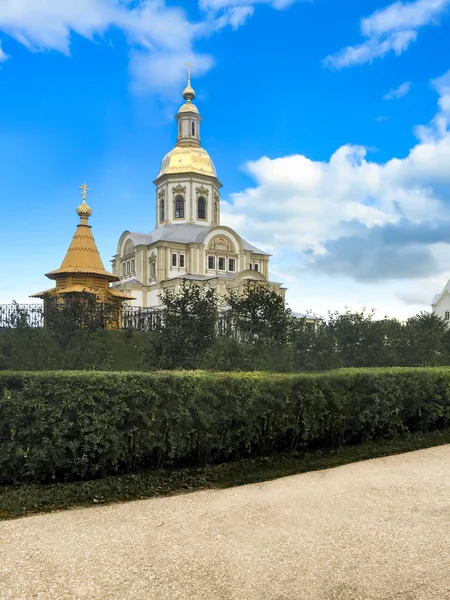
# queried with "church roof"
point(183, 233)
point(437, 297)
point(82, 255)
point(187, 159)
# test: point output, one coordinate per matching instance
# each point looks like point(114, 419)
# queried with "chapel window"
point(124, 268)
point(211, 262)
point(221, 263)
point(162, 210)
point(179, 207)
point(231, 264)
point(447, 315)
point(181, 260)
point(174, 260)
point(215, 213)
point(132, 265)
point(256, 267)
point(193, 128)
point(201, 208)
point(128, 267)
point(152, 270)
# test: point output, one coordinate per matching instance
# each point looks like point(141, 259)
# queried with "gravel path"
point(374, 530)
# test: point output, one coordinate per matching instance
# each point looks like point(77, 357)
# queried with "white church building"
point(441, 303)
point(188, 243)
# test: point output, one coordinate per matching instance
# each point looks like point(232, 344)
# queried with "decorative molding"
point(201, 191)
point(128, 249)
point(221, 244)
point(179, 189)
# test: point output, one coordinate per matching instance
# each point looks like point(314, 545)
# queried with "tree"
point(259, 319)
point(187, 329)
point(425, 341)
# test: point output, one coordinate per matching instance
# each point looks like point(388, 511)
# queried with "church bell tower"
point(187, 184)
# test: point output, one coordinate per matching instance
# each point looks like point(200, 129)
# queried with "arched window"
point(162, 210)
point(447, 315)
point(215, 213)
point(193, 128)
point(179, 207)
point(201, 208)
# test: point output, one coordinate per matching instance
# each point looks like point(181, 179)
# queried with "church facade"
point(189, 242)
point(441, 303)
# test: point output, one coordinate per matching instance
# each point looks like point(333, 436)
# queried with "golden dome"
point(84, 210)
point(189, 93)
point(188, 159)
point(188, 107)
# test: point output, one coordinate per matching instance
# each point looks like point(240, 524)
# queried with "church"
point(189, 242)
point(441, 303)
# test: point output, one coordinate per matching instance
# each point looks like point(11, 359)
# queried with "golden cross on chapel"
point(84, 188)
point(189, 66)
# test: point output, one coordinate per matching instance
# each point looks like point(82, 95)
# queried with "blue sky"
point(328, 122)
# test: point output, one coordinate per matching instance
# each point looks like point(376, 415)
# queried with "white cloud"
point(391, 29)
point(304, 211)
point(3, 56)
point(217, 5)
point(398, 92)
point(161, 37)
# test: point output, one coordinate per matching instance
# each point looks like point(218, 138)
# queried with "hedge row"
point(78, 425)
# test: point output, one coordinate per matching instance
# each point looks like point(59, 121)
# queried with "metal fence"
point(21, 315)
point(133, 317)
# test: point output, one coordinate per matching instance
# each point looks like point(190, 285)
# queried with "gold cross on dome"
point(84, 188)
point(189, 66)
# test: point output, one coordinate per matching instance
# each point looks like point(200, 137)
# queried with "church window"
point(201, 208)
point(221, 263)
point(179, 207)
point(251, 266)
point(174, 260)
point(182, 260)
point(152, 270)
point(211, 262)
point(124, 268)
point(447, 315)
point(215, 213)
point(132, 265)
point(128, 267)
point(162, 210)
point(256, 267)
point(193, 128)
point(231, 264)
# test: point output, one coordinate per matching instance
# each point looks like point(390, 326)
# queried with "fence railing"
point(21, 315)
point(133, 317)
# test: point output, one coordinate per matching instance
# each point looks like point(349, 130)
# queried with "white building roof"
point(183, 233)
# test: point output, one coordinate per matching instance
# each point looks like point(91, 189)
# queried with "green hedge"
point(78, 425)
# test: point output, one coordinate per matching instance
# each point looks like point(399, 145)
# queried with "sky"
point(328, 122)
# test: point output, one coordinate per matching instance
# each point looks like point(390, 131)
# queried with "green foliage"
point(77, 425)
point(187, 329)
point(32, 498)
point(252, 332)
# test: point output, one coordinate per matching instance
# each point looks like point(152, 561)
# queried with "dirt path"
point(378, 529)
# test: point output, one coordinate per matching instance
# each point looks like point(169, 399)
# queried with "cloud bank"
point(391, 29)
point(352, 219)
point(160, 36)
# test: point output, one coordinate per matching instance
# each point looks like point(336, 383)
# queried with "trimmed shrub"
point(77, 425)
